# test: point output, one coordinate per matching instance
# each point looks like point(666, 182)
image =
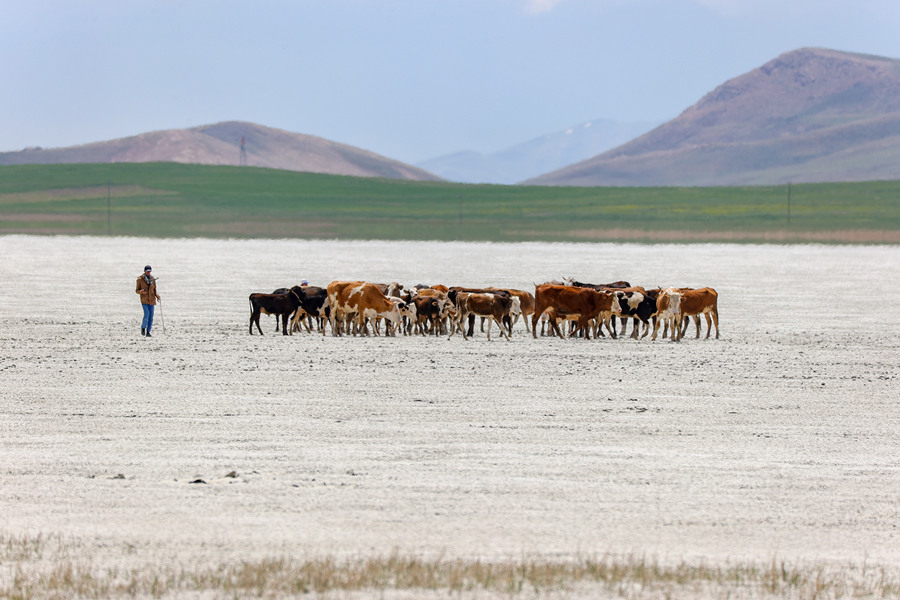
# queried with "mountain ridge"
point(220, 144)
point(811, 115)
point(537, 155)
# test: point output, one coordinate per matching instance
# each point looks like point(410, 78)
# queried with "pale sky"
point(409, 79)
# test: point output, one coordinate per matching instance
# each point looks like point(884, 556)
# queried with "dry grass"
point(46, 567)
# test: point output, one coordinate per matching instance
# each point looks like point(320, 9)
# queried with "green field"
point(174, 200)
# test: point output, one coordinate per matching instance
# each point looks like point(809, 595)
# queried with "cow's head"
point(449, 311)
point(404, 309)
point(516, 306)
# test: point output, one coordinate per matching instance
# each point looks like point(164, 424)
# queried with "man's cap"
point(147, 268)
point(304, 282)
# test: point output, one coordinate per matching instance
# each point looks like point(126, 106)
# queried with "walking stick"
point(162, 320)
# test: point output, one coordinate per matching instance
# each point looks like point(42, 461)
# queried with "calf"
point(428, 313)
point(451, 294)
point(313, 302)
point(273, 304)
point(494, 305)
point(703, 301)
point(339, 314)
point(583, 305)
point(637, 303)
point(668, 311)
point(603, 287)
point(366, 301)
point(436, 322)
point(525, 308)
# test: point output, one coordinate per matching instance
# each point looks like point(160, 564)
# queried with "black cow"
point(313, 304)
point(600, 287)
point(428, 313)
point(273, 304)
point(636, 303)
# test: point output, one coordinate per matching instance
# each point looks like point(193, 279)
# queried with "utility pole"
point(243, 160)
point(789, 205)
point(108, 210)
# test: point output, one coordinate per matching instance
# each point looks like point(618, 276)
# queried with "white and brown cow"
point(668, 312)
point(367, 302)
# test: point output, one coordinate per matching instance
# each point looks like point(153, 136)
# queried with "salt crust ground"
point(779, 439)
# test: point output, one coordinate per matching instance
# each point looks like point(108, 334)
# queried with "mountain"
point(220, 144)
point(536, 156)
point(811, 115)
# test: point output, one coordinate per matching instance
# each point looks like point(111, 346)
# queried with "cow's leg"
point(471, 325)
point(584, 326)
point(455, 323)
point(697, 323)
point(534, 319)
point(332, 320)
point(254, 316)
point(610, 327)
point(501, 326)
point(554, 326)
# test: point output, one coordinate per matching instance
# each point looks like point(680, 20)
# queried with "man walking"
point(146, 288)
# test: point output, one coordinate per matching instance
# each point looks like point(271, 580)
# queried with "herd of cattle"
point(584, 308)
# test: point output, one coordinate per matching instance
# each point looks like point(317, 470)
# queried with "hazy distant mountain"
point(536, 156)
point(220, 144)
point(809, 115)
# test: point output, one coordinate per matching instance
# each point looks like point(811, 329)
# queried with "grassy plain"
point(174, 200)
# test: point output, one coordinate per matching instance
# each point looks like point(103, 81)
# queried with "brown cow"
point(496, 306)
point(428, 313)
point(696, 302)
point(526, 305)
point(561, 301)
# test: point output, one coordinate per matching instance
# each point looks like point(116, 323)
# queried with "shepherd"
point(146, 288)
